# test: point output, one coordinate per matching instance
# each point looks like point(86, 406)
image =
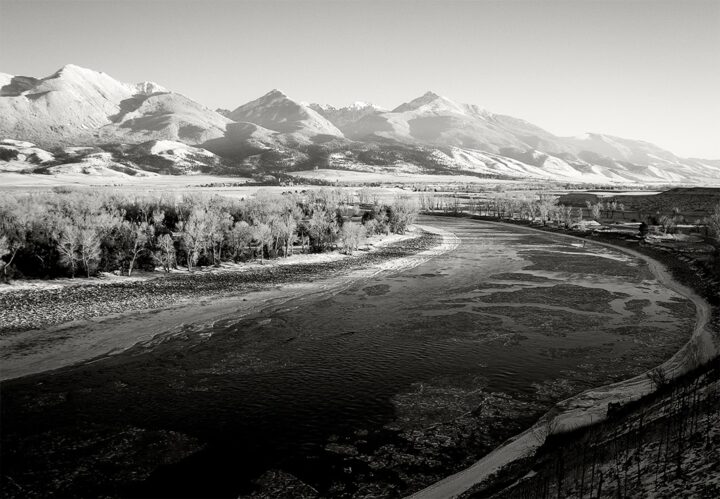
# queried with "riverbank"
point(36, 304)
point(507, 462)
point(52, 327)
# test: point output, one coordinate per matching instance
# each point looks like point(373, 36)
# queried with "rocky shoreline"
point(29, 309)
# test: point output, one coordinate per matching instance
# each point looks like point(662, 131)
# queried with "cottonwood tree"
point(14, 226)
point(323, 228)
point(262, 233)
point(195, 235)
point(240, 237)
point(594, 210)
point(376, 220)
point(4, 251)
point(351, 236)
point(403, 212)
point(165, 255)
point(220, 224)
point(285, 227)
point(68, 246)
point(544, 205)
point(89, 249)
point(138, 235)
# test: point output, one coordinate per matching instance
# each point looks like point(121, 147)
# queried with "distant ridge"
point(431, 133)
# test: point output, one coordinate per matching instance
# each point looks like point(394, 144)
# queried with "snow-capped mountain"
point(145, 127)
point(344, 116)
point(276, 111)
point(437, 120)
point(81, 106)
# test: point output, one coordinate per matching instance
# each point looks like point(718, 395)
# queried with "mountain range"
point(82, 120)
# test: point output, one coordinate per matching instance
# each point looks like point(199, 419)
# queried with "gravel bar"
point(34, 309)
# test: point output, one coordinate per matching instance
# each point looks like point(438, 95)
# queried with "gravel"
point(36, 308)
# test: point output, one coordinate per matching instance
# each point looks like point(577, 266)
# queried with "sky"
point(646, 70)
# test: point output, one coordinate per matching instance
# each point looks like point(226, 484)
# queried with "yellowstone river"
point(376, 389)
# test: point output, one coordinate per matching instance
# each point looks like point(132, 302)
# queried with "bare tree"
point(403, 212)
point(138, 234)
point(544, 205)
point(68, 247)
point(166, 253)
point(195, 235)
point(240, 237)
point(89, 249)
point(14, 225)
point(351, 236)
point(323, 228)
point(4, 251)
point(219, 225)
point(262, 233)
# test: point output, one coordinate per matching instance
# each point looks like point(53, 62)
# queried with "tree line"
point(539, 206)
point(544, 207)
point(69, 232)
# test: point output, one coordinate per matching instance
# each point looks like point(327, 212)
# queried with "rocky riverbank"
point(37, 308)
point(47, 326)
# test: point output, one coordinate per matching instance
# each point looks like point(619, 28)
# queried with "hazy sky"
point(641, 69)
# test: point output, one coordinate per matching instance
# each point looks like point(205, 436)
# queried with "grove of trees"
point(81, 232)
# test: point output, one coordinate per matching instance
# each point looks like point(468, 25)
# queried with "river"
point(377, 389)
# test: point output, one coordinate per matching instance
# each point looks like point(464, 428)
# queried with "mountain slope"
point(428, 134)
point(342, 117)
point(433, 119)
point(276, 111)
point(81, 106)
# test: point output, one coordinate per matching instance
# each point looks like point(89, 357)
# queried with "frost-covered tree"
point(89, 249)
point(195, 235)
point(351, 236)
point(240, 237)
point(68, 246)
point(165, 255)
point(15, 223)
point(4, 251)
point(137, 235)
point(220, 224)
point(545, 204)
point(403, 212)
point(323, 228)
point(262, 233)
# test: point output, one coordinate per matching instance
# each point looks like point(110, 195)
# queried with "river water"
point(374, 390)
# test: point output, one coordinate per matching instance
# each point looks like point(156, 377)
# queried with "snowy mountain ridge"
point(76, 106)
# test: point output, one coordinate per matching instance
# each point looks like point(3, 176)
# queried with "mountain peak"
point(73, 69)
point(276, 93)
point(276, 111)
point(428, 97)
